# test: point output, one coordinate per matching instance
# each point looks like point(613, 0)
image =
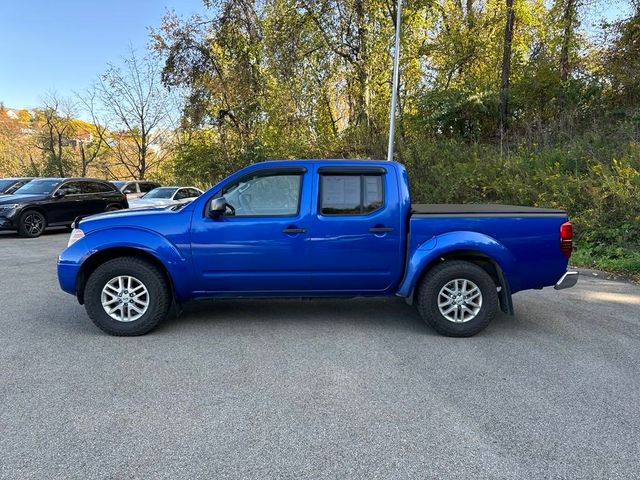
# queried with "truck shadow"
point(361, 313)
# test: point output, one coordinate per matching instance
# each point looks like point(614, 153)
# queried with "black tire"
point(159, 296)
point(31, 224)
point(429, 293)
point(113, 208)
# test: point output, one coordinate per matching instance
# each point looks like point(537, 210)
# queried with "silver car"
point(164, 196)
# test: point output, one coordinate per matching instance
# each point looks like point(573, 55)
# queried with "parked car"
point(315, 229)
point(135, 188)
point(9, 185)
point(164, 196)
point(49, 202)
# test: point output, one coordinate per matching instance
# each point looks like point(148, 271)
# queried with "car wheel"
point(127, 296)
point(32, 223)
point(113, 208)
point(457, 299)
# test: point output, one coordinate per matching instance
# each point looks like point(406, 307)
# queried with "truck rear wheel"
point(457, 298)
point(127, 296)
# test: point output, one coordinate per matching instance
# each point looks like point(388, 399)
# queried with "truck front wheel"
point(127, 296)
point(457, 298)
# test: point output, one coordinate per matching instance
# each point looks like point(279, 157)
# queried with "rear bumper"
point(568, 280)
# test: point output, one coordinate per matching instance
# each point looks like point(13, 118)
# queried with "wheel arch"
point(37, 208)
point(98, 258)
point(479, 258)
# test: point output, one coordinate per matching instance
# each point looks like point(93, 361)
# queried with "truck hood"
point(121, 218)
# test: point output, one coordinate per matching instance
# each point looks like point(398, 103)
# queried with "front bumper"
point(69, 264)
point(568, 280)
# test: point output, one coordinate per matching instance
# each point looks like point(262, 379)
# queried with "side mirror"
point(59, 194)
point(217, 207)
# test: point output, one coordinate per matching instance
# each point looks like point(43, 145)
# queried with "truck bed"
point(484, 210)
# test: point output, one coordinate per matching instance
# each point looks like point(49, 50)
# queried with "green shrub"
point(597, 183)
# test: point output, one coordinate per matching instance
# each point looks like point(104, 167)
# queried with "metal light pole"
point(394, 92)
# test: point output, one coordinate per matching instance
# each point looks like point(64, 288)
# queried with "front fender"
point(441, 245)
point(176, 264)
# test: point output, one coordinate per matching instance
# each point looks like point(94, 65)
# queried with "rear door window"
point(95, 187)
point(351, 194)
point(181, 194)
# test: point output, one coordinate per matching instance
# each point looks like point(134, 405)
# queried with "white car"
point(164, 196)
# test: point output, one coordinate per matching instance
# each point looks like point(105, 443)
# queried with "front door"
point(260, 244)
point(64, 210)
point(356, 231)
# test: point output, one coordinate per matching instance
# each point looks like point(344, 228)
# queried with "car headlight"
point(76, 234)
point(9, 206)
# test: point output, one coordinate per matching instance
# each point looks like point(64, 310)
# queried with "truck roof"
point(328, 161)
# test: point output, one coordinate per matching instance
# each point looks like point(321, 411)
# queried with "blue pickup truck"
point(315, 228)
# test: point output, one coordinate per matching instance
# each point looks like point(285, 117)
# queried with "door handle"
point(292, 229)
point(381, 229)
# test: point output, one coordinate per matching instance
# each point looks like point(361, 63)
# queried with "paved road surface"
point(315, 389)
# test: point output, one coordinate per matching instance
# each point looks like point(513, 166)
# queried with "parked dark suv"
point(57, 202)
point(10, 185)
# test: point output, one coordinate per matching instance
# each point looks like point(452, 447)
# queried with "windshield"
point(163, 192)
point(38, 187)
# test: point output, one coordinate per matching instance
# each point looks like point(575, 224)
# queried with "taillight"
point(566, 239)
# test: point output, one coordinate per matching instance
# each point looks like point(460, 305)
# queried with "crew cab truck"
point(315, 228)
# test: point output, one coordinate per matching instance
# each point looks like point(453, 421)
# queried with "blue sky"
point(63, 45)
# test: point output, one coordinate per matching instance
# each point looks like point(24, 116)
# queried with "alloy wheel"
point(125, 298)
point(460, 300)
point(33, 224)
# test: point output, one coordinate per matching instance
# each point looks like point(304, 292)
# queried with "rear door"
point(97, 197)
point(356, 230)
point(261, 244)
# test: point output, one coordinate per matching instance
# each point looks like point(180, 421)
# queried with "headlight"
point(9, 206)
point(76, 235)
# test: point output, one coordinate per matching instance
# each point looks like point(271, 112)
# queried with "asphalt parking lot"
point(315, 389)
